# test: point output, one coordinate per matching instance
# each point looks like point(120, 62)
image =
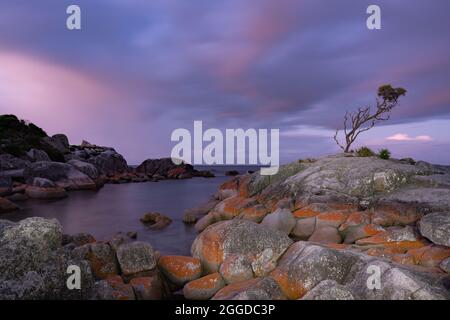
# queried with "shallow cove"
point(118, 207)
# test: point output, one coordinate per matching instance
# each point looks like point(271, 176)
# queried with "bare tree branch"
point(363, 120)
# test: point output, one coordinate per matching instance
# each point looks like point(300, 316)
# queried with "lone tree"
point(363, 119)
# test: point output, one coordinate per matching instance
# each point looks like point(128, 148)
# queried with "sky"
point(137, 70)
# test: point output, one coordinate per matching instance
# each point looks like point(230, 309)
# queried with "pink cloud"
point(405, 137)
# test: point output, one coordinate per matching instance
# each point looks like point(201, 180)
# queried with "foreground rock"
point(180, 270)
point(260, 245)
point(33, 263)
point(204, 288)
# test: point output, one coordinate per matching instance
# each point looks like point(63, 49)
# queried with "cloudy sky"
point(140, 69)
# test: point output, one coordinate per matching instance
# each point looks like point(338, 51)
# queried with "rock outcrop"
point(350, 214)
point(165, 169)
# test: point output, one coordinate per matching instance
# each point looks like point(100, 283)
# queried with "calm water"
point(118, 207)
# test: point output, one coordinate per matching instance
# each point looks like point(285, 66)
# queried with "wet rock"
point(179, 269)
point(136, 257)
point(204, 288)
point(132, 234)
point(436, 227)
point(17, 197)
point(232, 173)
point(45, 193)
point(156, 220)
point(238, 237)
point(194, 214)
point(7, 206)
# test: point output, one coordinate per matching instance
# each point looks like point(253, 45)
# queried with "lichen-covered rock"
point(304, 266)
point(325, 235)
point(120, 289)
point(34, 265)
point(236, 237)
point(304, 228)
point(236, 268)
point(102, 260)
point(204, 288)
point(149, 288)
point(136, 257)
point(255, 289)
point(179, 269)
point(436, 227)
point(329, 290)
point(281, 219)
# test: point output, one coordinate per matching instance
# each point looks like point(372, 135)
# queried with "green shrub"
point(365, 152)
point(384, 154)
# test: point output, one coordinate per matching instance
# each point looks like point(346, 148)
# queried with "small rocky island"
point(35, 165)
point(315, 231)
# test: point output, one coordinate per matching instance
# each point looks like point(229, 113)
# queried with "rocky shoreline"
point(34, 165)
point(316, 230)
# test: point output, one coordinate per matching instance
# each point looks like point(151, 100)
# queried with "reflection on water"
point(117, 208)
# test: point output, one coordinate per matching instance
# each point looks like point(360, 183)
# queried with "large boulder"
point(203, 288)
point(136, 258)
point(281, 219)
point(59, 141)
point(9, 162)
point(436, 227)
point(237, 237)
point(179, 269)
point(315, 271)
point(38, 155)
point(255, 289)
point(62, 174)
point(88, 169)
point(34, 265)
point(109, 162)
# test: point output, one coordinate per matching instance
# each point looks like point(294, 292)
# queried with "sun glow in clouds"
point(405, 137)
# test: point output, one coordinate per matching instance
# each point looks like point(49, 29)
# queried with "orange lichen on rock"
point(291, 289)
point(305, 212)
point(180, 269)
